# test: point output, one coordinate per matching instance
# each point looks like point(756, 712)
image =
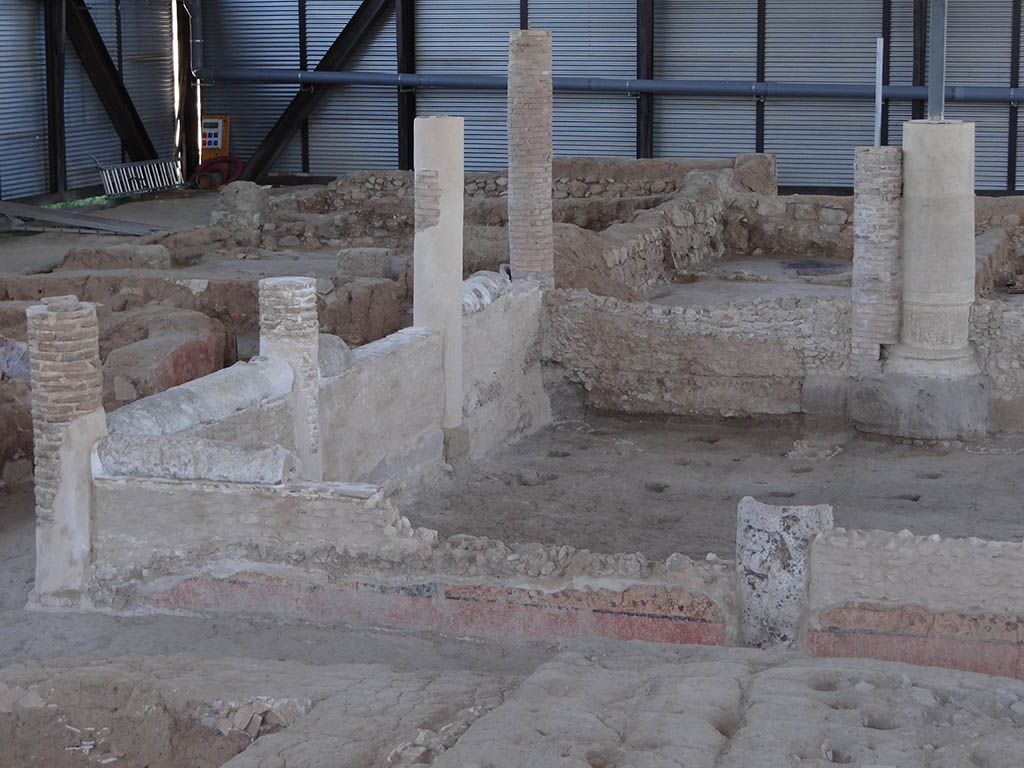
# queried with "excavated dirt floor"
point(617, 485)
point(171, 691)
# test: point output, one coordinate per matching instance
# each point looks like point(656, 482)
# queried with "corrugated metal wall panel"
point(901, 65)
point(598, 43)
point(698, 40)
point(812, 41)
point(355, 128)
point(89, 131)
point(468, 36)
point(148, 73)
point(149, 68)
point(23, 161)
point(252, 33)
point(978, 53)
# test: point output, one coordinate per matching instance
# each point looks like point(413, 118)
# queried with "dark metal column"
point(55, 21)
point(188, 91)
point(1011, 159)
point(920, 53)
point(524, 14)
point(645, 71)
point(762, 38)
point(305, 101)
point(936, 59)
point(405, 40)
point(304, 65)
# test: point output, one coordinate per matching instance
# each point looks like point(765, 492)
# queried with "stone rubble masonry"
point(877, 228)
point(530, 104)
point(732, 359)
point(290, 331)
point(67, 417)
point(772, 552)
point(437, 247)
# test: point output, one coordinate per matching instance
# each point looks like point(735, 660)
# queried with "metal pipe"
point(937, 60)
point(879, 85)
point(195, 15)
point(738, 88)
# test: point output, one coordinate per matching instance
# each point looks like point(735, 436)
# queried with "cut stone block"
point(772, 548)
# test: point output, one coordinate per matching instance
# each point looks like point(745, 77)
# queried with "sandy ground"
point(166, 691)
point(615, 485)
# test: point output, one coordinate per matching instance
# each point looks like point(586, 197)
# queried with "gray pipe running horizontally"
point(956, 93)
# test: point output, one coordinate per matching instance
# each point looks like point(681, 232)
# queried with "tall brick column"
point(877, 233)
point(530, 228)
point(437, 250)
point(290, 330)
point(67, 420)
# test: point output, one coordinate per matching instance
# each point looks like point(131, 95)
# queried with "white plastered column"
point(437, 251)
point(938, 251)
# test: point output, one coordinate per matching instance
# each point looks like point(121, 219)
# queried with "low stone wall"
point(722, 360)
point(381, 418)
point(504, 396)
point(994, 261)
point(340, 553)
point(955, 603)
point(997, 332)
point(792, 226)
point(572, 178)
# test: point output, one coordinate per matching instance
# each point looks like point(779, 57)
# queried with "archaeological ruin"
point(578, 399)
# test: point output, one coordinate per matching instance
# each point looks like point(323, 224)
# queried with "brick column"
point(290, 330)
point(530, 229)
point(67, 420)
point(437, 250)
point(877, 233)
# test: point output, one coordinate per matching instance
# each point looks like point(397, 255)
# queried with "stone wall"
point(792, 226)
point(924, 600)
point(572, 178)
point(504, 397)
point(722, 360)
point(381, 418)
point(997, 333)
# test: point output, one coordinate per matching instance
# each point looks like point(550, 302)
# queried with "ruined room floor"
point(167, 691)
point(616, 485)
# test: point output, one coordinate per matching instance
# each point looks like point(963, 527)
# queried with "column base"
point(944, 364)
point(922, 407)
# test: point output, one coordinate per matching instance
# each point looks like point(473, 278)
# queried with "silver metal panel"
point(355, 128)
point(89, 131)
point(598, 43)
point(901, 65)
point(148, 56)
point(978, 53)
point(813, 41)
point(252, 33)
point(698, 40)
point(468, 36)
point(23, 161)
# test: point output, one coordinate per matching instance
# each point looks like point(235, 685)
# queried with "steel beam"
point(936, 59)
point(645, 71)
point(55, 22)
point(1013, 136)
point(886, 64)
point(762, 67)
point(405, 42)
point(92, 51)
point(920, 54)
point(302, 105)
